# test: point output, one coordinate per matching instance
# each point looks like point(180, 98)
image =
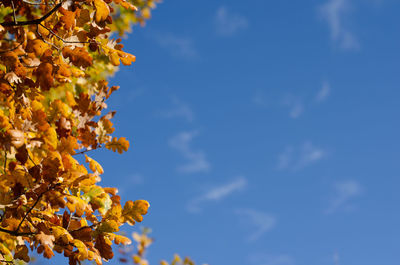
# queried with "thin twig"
point(45, 41)
point(84, 151)
point(5, 161)
point(31, 160)
point(36, 4)
point(30, 210)
point(33, 206)
point(11, 49)
point(13, 8)
point(63, 40)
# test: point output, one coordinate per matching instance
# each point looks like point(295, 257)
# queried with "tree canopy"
point(55, 57)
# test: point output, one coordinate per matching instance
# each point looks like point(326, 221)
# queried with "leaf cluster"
point(54, 61)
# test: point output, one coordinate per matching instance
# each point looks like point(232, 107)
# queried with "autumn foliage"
point(55, 58)
point(138, 255)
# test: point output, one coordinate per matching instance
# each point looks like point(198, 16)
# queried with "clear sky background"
point(264, 132)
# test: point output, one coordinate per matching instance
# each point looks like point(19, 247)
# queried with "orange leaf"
point(119, 145)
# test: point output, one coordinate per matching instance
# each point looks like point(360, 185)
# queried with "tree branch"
point(15, 233)
point(11, 49)
point(31, 22)
point(30, 210)
point(33, 206)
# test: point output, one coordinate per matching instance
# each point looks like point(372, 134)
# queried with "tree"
point(54, 61)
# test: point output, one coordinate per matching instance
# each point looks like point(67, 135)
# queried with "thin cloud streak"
point(266, 259)
point(179, 110)
point(130, 182)
point(227, 23)
point(295, 105)
point(309, 155)
point(177, 46)
point(345, 192)
point(263, 222)
point(217, 193)
point(323, 93)
point(196, 160)
point(333, 12)
point(296, 158)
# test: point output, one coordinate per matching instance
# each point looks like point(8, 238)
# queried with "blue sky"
point(264, 132)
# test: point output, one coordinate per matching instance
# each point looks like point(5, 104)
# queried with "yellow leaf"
point(122, 240)
point(133, 211)
point(94, 166)
point(146, 14)
point(76, 204)
point(102, 10)
point(82, 249)
point(61, 233)
point(114, 58)
point(108, 226)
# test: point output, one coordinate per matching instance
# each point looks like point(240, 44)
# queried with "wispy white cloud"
point(196, 160)
point(176, 45)
point(227, 23)
point(178, 110)
point(333, 12)
point(345, 192)
point(285, 158)
point(310, 154)
point(131, 181)
point(217, 193)
point(323, 93)
point(260, 99)
point(267, 259)
point(295, 105)
point(336, 258)
point(299, 157)
point(263, 222)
